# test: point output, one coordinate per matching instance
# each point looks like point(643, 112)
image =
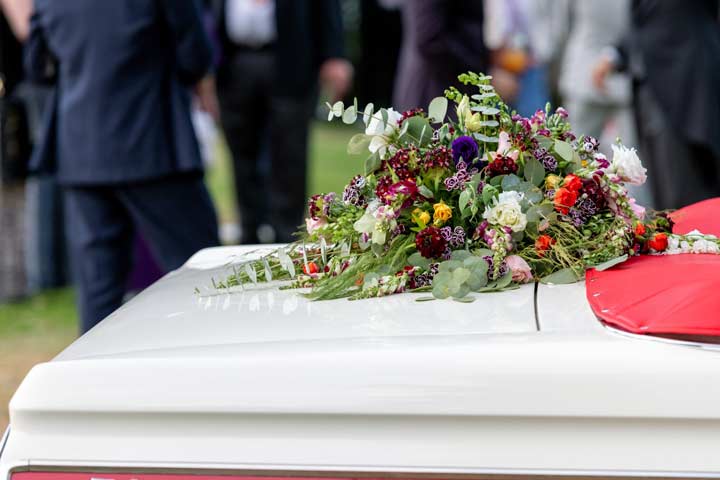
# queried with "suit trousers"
point(268, 139)
point(680, 172)
point(174, 215)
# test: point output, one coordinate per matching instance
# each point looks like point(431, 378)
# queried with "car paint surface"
point(264, 380)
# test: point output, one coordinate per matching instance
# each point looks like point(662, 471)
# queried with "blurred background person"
point(592, 25)
point(120, 137)
point(15, 148)
point(378, 62)
point(672, 52)
point(273, 54)
point(523, 37)
point(441, 39)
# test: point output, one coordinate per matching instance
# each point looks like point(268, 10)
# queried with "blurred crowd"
point(102, 105)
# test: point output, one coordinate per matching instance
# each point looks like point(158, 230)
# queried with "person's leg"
point(100, 240)
point(174, 215)
point(289, 123)
point(244, 107)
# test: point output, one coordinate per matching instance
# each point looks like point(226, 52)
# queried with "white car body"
point(264, 382)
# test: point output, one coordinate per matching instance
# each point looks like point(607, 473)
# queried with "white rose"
point(627, 165)
point(507, 212)
point(380, 131)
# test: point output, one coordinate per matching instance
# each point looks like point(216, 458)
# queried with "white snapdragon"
point(507, 212)
point(627, 165)
point(380, 130)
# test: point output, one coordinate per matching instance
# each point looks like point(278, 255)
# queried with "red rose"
point(310, 268)
point(573, 183)
point(543, 243)
point(658, 242)
point(639, 229)
point(564, 199)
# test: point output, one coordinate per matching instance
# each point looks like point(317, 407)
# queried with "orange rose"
point(543, 244)
point(658, 242)
point(573, 183)
point(639, 229)
point(564, 199)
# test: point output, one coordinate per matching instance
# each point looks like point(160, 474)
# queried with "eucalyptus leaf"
point(417, 260)
point(485, 138)
point(561, 277)
point(338, 108)
point(484, 252)
point(482, 96)
point(460, 255)
point(438, 109)
point(448, 266)
point(419, 132)
point(368, 113)
point(611, 263)
point(349, 115)
point(461, 292)
point(358, 144)
point(464, 299)
point(425, 299)
point(510, 181)
point(534, 195)
point(460, 275)
point(565, 150)
point(489, 123)
point(534, 171)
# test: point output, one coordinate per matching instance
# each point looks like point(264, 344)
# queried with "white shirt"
point(251, 22)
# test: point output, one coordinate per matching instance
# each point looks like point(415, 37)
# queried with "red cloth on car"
point(671, 295)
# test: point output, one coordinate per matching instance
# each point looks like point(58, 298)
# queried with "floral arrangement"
point(481, 200)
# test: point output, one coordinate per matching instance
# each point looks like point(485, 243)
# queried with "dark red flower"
point(430, 242)
point(438, 157)
point(591, 187)
point(502, 165)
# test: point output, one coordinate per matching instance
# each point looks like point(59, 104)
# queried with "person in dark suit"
point(119, 137)
point(441, 39)
point(672, 52)
point(273, 53)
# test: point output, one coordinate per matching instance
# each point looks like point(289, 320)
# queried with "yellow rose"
point(442, 214)
point(421, 217)
point(552, 181)
point(473, 122)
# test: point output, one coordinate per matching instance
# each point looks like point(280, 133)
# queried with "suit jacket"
point(442, 39)
point(308, 33)
point(122, 68)
point(674, 46)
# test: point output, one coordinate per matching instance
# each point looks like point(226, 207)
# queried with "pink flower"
point(504, 147)
point(313, 224)
point(638, 210)
point(521, 272)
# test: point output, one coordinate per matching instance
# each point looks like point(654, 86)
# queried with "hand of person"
point(336, 76)
point(602, 69)
point(207, 97)
point(506, 83)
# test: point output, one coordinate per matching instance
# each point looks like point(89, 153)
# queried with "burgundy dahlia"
point(502, 165)
point(430, 242)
